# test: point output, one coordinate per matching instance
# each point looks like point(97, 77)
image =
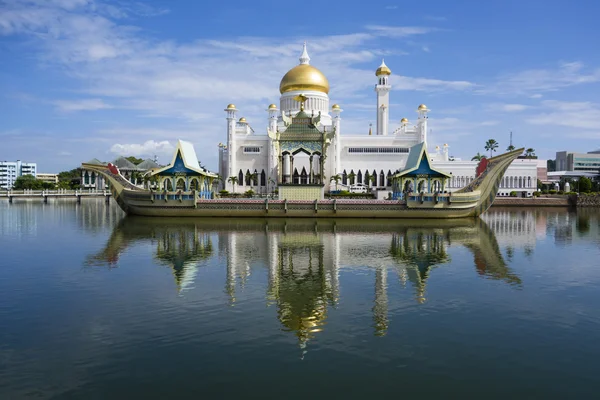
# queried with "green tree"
point(373, 180)
point(27, 182)
point(477, 157)
point(336, 178)
point(270, 183)
point(69, 179)
point(491, 145)
point(233, 180)
point(585, 184)
point(530, 152)
point(351, 177)
point(510, 148)
point(134, 160)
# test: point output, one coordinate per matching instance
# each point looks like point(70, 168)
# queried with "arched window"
point(86, 178)
point(344, 178)
point(296, 177)
point(389, 179)
point(529, 182)
point(93, 178)
point(352, 177)
point(303, 176)
point(248, 177)
point(381, 178)
point(367, 178)
point(359, 177)
point(241, 178)
point(263, 178)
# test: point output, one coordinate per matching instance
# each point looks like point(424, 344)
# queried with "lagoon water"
point(96, 305)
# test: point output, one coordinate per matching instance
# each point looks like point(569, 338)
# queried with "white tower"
point(273, 157)
point(383, 96)
point(337, 140)
point(422, 122)
point(231, 146)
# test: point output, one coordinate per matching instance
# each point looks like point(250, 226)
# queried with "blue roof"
point(418, 163)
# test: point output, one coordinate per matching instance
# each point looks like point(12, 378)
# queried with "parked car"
point(358, 188)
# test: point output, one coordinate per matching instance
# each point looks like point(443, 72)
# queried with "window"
point(252, 150)
point(378, 150)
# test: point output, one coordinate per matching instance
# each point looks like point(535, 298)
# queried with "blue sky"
point(98, 78)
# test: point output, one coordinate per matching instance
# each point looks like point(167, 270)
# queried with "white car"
point(358, 188)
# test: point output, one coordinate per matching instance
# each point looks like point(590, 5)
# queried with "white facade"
point(249, 151)
point(11, 170)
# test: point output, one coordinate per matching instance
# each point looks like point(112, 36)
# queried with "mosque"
point(305, 153)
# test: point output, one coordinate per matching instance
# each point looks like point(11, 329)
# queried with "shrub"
point(560, 192)
point(570, 193)
point(513, 194)
point(224, 192)
point(536, 194)
point(249, 193)
point(551, 191)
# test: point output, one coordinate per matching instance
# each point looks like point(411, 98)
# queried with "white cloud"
point(81, 105)
point(426, 49)
point(495, 107)
point(536, 96)
point(427, 84)
point(543, 80)
point(577, 116)
point(148, 148)
point(399, 31)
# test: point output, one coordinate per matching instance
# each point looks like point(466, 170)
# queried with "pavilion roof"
point(123, 163)
point(418, 163)
point(186, 153)
point(147, 164)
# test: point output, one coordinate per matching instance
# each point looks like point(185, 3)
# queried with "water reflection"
point(304, 258)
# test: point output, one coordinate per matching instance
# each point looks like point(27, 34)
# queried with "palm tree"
point(530, 152)
point(337, 178)
point(510, 148)
point(233, 180)
point(270, 182)
point(491, 145)
point(351, 176)
point(477, 157)
point(252, 177)
point(373, 180)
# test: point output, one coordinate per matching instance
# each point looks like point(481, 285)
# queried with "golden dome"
point(243, 120)
point(335, 107)
point(230, 106)
point(304, 77)
point(404, 121)
point(272, 107)
point(383, 69)
point(422, 107)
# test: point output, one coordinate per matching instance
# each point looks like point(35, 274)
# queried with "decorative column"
point(310, 175)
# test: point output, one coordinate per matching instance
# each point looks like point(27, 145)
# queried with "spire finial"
point(304, 58)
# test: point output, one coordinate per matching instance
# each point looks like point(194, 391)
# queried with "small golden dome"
point(422, 107)
point(243, 120)
point(383, 69)
point(272, 107)
point(404, 121)
point(230, 106)
point(335, 107)
point(304, 77)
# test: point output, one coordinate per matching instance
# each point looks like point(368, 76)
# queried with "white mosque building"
point(258, 160)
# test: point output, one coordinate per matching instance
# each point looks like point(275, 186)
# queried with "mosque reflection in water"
point(304, 258)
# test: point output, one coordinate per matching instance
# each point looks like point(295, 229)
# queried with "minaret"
point(272, 157)
point(231, 146)
point(304, 58)
point(422, 122)
point(337, 140)
point(383, 97)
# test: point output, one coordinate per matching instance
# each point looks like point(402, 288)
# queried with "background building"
point(583, 162)
point(10, 171)
point(50, 178)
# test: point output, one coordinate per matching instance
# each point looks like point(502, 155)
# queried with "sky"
point(101, 78)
